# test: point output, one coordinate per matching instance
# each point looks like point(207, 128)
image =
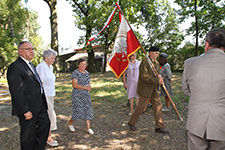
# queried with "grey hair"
point(21, 43)
point(48, 53)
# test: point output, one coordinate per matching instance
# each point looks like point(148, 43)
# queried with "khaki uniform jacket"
point(148, 83)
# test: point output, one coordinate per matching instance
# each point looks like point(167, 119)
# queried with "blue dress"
point(81, 100)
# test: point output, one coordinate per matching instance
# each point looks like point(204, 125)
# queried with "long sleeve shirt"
point(47, 77)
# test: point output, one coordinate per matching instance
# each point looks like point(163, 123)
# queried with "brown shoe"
point(161, 130)
point(132, 128)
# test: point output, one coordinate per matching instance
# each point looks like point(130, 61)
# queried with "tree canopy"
point(208, 14)
point(16, 24)
point(160, 21)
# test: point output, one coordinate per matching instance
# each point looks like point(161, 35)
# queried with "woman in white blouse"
point(45, 71)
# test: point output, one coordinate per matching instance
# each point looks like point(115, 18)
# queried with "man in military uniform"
point(148, 88)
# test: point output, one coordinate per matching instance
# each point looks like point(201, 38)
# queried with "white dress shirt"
point(47, 77)
point(27, 62)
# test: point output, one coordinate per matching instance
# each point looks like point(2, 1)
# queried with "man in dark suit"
point(28, 99)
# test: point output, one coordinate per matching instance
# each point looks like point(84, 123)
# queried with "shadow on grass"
point(110, 123)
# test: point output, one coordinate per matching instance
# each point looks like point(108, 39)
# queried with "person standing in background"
point(131, 78)
point(166, 73)
point(204, 81)
point(45, 71)
point(28, 99)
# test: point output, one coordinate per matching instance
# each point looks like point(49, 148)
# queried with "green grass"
point(178, 96)
point(3, 81)
point(106, 87)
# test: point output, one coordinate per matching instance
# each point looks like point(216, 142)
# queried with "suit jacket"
point(25, 89)
point(148, 84)
point(204, 81)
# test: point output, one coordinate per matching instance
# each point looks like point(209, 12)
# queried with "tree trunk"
point(12, 31)
point(105, 62)
point(196, 29)
point(11, 28)
point(91, 54)
point(54, 31)
point(106, 51)
point(91, 61)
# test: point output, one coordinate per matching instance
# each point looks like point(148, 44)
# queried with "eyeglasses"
point(28, 49)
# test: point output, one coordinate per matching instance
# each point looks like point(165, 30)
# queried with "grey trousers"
point(198, 143)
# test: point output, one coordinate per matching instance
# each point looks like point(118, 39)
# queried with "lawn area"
point(110, 123)
point(106, 87)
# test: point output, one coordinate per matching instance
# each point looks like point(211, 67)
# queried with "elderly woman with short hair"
point(45, 71)
point(81, 100)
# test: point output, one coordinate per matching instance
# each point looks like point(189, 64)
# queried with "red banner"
point(125, 45)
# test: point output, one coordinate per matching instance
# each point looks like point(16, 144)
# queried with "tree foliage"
point(208, 14)
point(85, 20)
point(16, 24)
point(161, 24)
point(158, 18)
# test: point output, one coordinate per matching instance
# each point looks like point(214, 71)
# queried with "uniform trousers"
point(157, 109)
point(198, 143)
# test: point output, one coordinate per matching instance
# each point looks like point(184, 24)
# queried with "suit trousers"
point(198, 143)
point(34, 132)
point(157, 109)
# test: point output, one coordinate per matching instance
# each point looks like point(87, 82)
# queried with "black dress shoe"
point(161, 130)
point(132, 128)
point(149, 105)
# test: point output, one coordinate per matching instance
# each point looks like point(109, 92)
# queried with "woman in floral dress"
point(81, 100)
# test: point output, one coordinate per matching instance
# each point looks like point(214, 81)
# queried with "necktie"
point(36, 75)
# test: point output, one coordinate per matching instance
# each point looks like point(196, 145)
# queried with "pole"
point(154, 69)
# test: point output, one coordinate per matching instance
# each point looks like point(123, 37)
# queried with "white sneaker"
point(53, 143)
point(90, 131)
point(165, 109)
point(71, 127)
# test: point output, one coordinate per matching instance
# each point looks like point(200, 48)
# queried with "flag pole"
point(153, 68)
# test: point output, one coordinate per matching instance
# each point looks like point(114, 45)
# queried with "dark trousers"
point(34, 132)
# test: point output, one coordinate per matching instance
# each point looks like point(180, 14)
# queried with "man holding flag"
point(148, 88)
point(125, 45)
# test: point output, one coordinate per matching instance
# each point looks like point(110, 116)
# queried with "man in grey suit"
point(204, 81)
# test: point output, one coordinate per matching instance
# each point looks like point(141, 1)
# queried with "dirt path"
point(111, 131)
point(110, 126)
